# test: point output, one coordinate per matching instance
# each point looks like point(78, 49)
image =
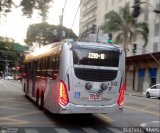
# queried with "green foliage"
point(8, 52)
point(43, 34)
point(124, 26)
point(27, 6)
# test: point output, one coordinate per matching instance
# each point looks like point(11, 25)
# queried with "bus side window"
point(33, 69)
point(39, 67)
point(53, 62)
point(37, 70)
point(57, 63)
point(48, 69)
point(43, 67)
point(47, 62)
point(27, 70)
point(30, 70)
point(54, 76)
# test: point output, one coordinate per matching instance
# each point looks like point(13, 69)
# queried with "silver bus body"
point(90, 78)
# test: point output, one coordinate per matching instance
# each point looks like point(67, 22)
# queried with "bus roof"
point(54, 47)
point(95, 44)
point(43, 51)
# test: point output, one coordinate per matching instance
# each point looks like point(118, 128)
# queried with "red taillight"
point(122, 94)
point(62, 94)
point(24, 75)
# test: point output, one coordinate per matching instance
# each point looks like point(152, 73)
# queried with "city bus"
point(76, 77)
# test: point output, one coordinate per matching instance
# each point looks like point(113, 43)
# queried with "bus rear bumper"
point(72, 108)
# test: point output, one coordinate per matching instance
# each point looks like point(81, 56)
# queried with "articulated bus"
point(76, 77)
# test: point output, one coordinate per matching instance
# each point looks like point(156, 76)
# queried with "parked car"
point(8, 78)
point(153, 91)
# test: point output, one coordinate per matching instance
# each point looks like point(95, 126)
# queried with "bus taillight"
point(122, 95)
point(62, 94)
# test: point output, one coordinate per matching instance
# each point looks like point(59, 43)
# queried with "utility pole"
point(61, 25)
point(6, 67)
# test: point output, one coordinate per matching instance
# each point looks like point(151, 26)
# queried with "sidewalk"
point(134, 93)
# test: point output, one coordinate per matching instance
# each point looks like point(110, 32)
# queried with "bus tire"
point(46, 111)
point(41, 102)
point(37, 97)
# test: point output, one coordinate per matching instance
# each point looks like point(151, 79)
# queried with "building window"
point(155, 47)
point(156, 29)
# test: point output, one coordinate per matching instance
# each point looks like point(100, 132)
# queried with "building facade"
point(143, 66)
point(88, 15)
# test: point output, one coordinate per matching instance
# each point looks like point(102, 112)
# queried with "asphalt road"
point(18, 114)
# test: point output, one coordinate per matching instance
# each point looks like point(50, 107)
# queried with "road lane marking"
point(4, 85)
point(12, 121)
point(114, 130)
point(14, 108)
point(22, 114)
point(12, 105)
point(153, 102)
point(104, 117)
point(4, 99)
point(61, 130)
point(31, 130)
point(141, 110)
point(89, 130)
point(9, 100)
point(41, 122)
point(148, 107)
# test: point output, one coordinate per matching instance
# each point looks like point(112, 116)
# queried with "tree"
point(28, 6)
point(125, 27)
point(9, 51)
point(44, 33)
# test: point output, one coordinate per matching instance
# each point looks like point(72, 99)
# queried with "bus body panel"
point(80, 98)
point(78, 95)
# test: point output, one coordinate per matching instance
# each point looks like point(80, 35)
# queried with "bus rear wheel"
point(37, 98)
point(41, 102)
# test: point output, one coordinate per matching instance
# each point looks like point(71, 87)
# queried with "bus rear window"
point(96, 57)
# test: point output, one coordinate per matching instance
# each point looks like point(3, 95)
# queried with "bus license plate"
point(94, 96)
